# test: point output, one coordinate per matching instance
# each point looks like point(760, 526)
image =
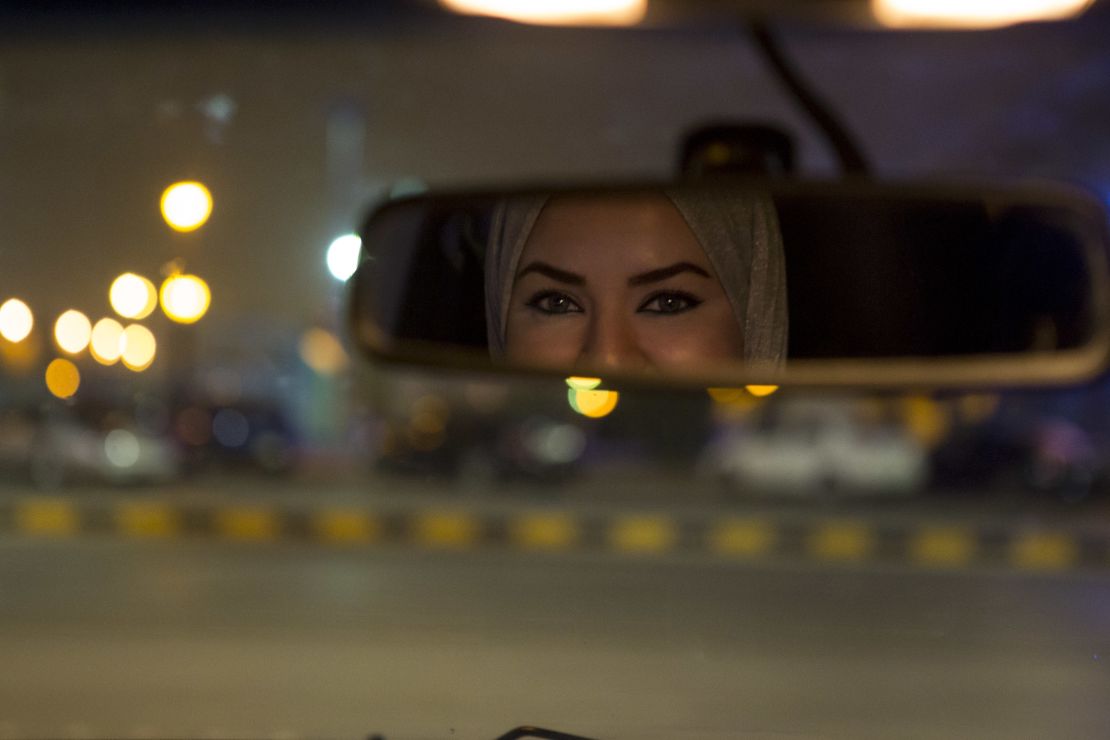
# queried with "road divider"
point(836, 541)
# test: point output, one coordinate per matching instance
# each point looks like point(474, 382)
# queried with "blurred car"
point(806, 448)
point(476, 434)
point(62, 447)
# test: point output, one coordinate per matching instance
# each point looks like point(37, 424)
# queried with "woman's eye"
point(670, 303)
point(554, 303)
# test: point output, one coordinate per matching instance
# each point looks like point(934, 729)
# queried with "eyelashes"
point(669, 303)
point(553, 303)
point(661, 303)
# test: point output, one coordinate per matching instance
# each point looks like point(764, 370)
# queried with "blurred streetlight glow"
point(583, 384)
point(186, 205)
point(185, 298)
point(73, 331)
point(727, 395)
point(592, 403)
point(927, 420)
point(972, 13)
point(322, 352)
point(122, 448)
point(62, 378)
point(343, 255)
point(137, 347)
point(133, 296)
point(16, 320)
point(556, 12)
point(107, 338)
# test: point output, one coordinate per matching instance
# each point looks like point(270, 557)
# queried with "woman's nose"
point(612, 342)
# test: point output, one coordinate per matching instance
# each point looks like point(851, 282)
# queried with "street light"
point(594, 404)
point(185, 298)
point(343, 255)
point(16, 320)
point(73, 331)
point(106, 345)
point(186, 205)
point(62, 378)
point(583, 384)
point(133, 296)
point(138, 347)
point(322, 351)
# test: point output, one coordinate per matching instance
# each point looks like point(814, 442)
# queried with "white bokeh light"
point(343, 256)
point(16, 320)
point(73, 331)
point(186, 206)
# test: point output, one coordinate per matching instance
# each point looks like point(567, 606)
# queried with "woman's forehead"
point(610, 231)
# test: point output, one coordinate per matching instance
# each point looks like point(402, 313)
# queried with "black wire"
point(852, 159)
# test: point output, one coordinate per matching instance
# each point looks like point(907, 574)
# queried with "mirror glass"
point(716, 277)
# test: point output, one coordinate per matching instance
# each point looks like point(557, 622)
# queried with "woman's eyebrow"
point(570, 278)
point(654, 276)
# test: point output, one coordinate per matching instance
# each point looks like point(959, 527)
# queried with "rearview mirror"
point(726, 283)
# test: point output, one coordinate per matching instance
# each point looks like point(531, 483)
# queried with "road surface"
point(104, 637)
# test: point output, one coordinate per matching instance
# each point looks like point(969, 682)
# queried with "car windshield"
point(219, 519)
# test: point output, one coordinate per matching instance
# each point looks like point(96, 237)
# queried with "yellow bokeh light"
point(927, 420)
point(105, 344)
point(137, 347)
point(73, 331)
point(62, 378)
point(978, 407)
point(556, 12)
point(972, 13)
point(322, 352)
point(186, 205)
point(185, 298)
point(727, 395)
point(133, 296)
point(593, 403)
point(583, 384)
point(16, 320)
point(761, 390)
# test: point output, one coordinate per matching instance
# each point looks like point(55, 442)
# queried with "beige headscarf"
point(739, 233)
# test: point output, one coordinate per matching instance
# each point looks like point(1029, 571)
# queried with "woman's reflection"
point(636, 281)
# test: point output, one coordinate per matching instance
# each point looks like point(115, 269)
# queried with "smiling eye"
point(670, 303)
point(553, 302)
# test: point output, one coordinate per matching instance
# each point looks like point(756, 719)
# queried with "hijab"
point(739, 233)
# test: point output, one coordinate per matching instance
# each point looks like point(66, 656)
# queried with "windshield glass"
point(220, 520)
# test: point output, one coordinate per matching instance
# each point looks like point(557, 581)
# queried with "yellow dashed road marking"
point(247, 523)
point(346, 525)
point(745, 537)
point(147, 520)
point(447, 529)
point(544, 531)
point(1044, 551)
point(944, 547)
point(49, 517)
point(643, 534)
point(842, 541)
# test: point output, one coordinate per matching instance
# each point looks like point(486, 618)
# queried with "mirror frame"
point(1068, 366)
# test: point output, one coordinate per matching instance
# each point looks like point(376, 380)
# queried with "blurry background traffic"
point(178, 208)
